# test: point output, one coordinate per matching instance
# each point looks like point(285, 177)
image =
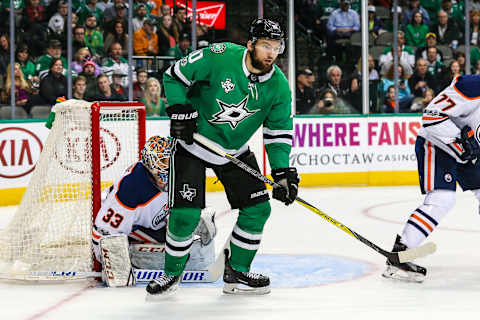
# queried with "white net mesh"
point(50, 234)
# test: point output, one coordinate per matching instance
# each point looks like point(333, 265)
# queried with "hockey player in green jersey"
point(225, 93)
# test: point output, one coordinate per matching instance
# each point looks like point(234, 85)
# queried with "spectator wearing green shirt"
point(116, 62)
point(28, 68)
point(87, 9)
point(416, 31)
point(455, 11)
point(326, 8)
point(432, 7)
point(154, 104)
point(54, 50)
point(93, 37)
point(18, 7)
point(182, 49)
point(434, 67)
point(148, 6)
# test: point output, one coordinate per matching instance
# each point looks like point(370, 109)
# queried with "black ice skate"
point(164, 285)
point(407, 271)
point(237, 282)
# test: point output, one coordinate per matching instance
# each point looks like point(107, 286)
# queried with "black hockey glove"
point(471, 149)
point(183, 122)
point(288, 178)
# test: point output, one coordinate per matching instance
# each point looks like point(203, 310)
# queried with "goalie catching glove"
point(183, 122)
point(288, 178)
point(470, 150)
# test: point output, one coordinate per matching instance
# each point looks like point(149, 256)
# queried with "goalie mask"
point(155, 157)
point(268, 29)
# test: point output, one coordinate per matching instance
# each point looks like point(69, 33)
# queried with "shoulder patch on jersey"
point(468, 86)
point(218, 47)
point(183, 62)
point(136, 188)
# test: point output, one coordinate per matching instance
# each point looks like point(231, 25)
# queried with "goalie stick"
point(395, 257)
point(212, 274)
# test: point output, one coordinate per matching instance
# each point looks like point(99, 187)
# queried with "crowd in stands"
point(431, 53)
point(99, 49)
point(430, 40)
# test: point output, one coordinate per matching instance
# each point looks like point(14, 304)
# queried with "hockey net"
point(88, 147)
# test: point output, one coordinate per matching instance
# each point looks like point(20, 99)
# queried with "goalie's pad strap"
point(117, 269)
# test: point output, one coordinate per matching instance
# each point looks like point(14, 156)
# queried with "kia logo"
point(73, 153)
point(18, 147)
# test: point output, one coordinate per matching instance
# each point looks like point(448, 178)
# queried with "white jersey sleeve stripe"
point(179, 74)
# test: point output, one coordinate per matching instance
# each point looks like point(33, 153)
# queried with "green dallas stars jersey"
point(232, 103)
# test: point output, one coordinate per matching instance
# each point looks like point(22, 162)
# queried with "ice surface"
point(317, 270)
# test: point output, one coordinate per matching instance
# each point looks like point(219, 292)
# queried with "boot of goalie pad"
point(408, 271)
point(152, 256)
point(237, 282)
point(116, 267)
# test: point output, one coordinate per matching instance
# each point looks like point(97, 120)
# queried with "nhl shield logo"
point(218, 47)
point(448, 177)
point(228, 85)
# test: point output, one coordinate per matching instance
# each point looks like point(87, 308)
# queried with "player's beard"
point(258, 64)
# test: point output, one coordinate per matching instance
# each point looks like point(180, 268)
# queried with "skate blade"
point(239, 289)
point(398, 274)
point(160, 296)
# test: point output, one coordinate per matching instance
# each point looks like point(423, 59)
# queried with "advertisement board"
point(358, 147)
point(375, 150)
point(211, 13)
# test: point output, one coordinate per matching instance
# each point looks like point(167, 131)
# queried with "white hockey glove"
point(206, 228)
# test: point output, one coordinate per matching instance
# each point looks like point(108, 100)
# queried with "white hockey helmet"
point(155, 157)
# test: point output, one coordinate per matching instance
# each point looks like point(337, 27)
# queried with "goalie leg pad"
point(116, 266)
point(152, 256)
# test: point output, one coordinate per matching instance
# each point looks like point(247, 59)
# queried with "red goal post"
point(96, 168)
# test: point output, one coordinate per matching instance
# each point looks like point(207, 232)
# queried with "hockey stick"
point(395, 257)
point(141, 275)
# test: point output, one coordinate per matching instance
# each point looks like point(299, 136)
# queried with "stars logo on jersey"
point(232, 114)
point(188, 193)
point(228, 85)
point(218, 47)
